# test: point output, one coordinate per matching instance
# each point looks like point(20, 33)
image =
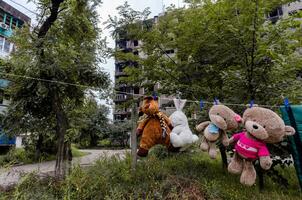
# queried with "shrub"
point(175, 176)
point(104, 143)
point(16, 156)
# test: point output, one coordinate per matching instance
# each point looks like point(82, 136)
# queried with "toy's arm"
point(264, 157)
point(177, 130)
point(266, 162)
point(141, 125)
point(202, 126)
point(235, 138)
point(225, 138)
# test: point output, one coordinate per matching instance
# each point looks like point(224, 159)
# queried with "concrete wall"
point(290, 7)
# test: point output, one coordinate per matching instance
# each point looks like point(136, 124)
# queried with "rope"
point(119, 92)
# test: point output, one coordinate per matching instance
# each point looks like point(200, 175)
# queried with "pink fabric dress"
point(249, 148)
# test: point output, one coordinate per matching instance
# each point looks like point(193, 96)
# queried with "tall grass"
point(190, 175)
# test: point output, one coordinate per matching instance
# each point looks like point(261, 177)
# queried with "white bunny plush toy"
point(181, 135)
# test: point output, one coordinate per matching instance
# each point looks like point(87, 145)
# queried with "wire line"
point(120, 92)
point(24, 7)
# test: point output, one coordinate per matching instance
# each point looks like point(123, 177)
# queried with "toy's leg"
point(212, 150)
point(142, 152)
point(204, 146)
point(145, 144)
point(168, 143)
point(224, 139)
point(248, 176)
point(175, 139)
point(236, 165)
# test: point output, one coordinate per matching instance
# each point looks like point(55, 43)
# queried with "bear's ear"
point(289, 130)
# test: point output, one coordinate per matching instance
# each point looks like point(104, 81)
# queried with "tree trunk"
point(61, 127)
point(61, 119)
point(39, 147)
point(93, 140)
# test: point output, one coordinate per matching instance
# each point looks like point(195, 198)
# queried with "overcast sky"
point(107, 8)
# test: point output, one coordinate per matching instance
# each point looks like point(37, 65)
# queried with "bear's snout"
point(256, 130)
point(255, 126)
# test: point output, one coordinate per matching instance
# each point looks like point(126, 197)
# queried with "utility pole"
point(133, 135)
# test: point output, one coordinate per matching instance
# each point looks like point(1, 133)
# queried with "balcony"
point(122, 112)
point(122, 44)
point(274, 19)
point(127, 44)
point(120, 73)
point(121, 97)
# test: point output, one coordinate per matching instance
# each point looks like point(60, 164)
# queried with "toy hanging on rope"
point(154, 127)
point(181, 135)
point(223, 119)
point(262, 126)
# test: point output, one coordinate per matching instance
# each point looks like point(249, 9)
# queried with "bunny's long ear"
point(179, 103)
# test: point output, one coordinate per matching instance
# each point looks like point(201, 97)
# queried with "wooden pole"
point(261, 179)
point(133, 136)
point(223, 157)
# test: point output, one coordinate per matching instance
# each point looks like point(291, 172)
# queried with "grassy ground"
point(77, 153)
point(20, 156)
point(160, 176)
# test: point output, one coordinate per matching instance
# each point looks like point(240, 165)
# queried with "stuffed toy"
point(223, 119)
point(262, 126)
point(181, 135)
point(154, 127)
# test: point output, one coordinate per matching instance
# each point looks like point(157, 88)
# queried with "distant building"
point(285, 10)
point(127, 45)
point(10, 19)
point(126, 91)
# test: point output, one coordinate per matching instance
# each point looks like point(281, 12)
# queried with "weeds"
point(169, 176)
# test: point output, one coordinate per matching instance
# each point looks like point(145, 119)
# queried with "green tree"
point(225, 49)
point(119, 133)
point(88, 123)
point(66, 47)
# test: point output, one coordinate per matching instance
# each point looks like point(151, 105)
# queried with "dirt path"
point(11, 176)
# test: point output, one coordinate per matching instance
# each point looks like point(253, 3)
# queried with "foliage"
point(128, 23)
point(119, 133)
point(77, 153)
point(17, 156)
point(223, 49)
point(88, 123)
point(65, 47)
point(104, 143)
point(179, 176)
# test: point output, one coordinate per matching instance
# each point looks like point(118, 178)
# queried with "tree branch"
point(54, 11)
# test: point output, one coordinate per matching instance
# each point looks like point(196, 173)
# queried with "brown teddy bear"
point(262, 126)
point(222, 119)
point(154, 127)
